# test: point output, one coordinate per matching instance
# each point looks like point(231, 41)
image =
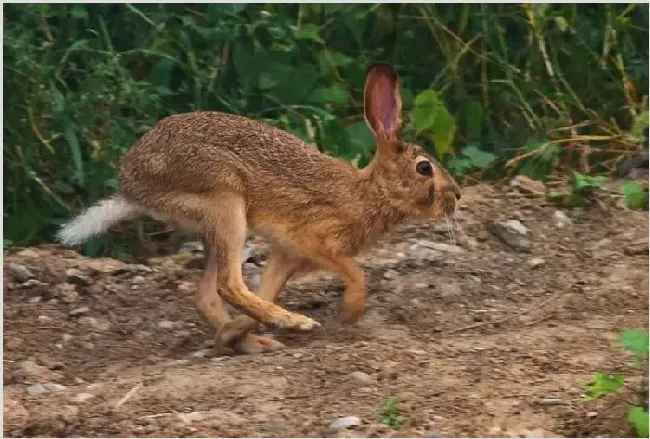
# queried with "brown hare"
point(222, 175)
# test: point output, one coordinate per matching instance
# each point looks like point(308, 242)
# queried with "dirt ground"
point(475, 339)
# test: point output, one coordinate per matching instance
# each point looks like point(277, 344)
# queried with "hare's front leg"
point(281, 266)
point(228, 238)
point(354, 297)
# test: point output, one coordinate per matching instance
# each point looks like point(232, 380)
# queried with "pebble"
point(66, 338)
point(511, 233)
point(79, 311)
point(540, 433)
point(36, 389)
point(592, 414)
point(67, 292)
point(29, 253)
point(536, 262)
point(100, 325)
point(19, 272)
point(31, 283)
point(552, 401)
point(440, 246)
point(56, 388)
point(390, 274)
point(83, 397)
point(138, 280)
point(362, 378)
point(166, 324)
point(343, 423)
point(561, 219)
point(191, 247)
point(77, 277)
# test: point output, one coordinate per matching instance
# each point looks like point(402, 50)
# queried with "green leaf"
point(473, 117)
point(336, 94)
point(430, 114)
point(585, 184)
point(602, 385)
point(636, 194)
point(459, 166)
point(635, 341)
point(308, 32)
point(478, 158)
point(640, 124)
point(639, 419)
point(73, 143)
point(329, 60)
point(361, 137)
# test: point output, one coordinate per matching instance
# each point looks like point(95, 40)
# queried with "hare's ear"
point(383, 104)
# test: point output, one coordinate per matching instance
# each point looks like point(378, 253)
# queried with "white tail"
point(97, 220)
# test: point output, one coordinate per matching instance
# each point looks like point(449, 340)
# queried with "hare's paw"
point(296, 322)
point(256, 344)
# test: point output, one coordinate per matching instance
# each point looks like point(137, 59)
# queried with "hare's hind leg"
point(211, 307)
point(228, 237)
point(281, 266)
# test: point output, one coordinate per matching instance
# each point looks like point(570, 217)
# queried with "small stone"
point(527, 185)
point(362, 378)
point(19, 272)
point(140, 267)
point(30, 283)
point(639, 247)
point(105, 265)
point(536, 262)
point(517, 226)
point(511, 234)
point(56, 388)
point(441, 246)
point(540, 433)
point(67, 292)
point(44, 319)
point(202, 353)
point(36, 389)
point(83, 397)
point(592, 414)
point(420, 286)
point(100, 325)
point(191, 247)
point(138, 280)
point(29, 253)
point(79, 311)
point(495, 430)
point(166, 324)
point(561, 219)
point(66, 338)
point(552, 401)
point(77, 277)
point(390, 274)
point(343, 423)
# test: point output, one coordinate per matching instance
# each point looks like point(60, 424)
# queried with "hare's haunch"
point(223, 175)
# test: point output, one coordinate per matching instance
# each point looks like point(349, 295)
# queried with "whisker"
point(450, 230)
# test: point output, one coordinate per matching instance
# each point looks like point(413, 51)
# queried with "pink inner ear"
point(382, 105)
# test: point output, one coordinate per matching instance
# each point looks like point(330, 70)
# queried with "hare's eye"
point(424, 168)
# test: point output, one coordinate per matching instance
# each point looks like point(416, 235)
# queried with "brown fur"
point(222, 174)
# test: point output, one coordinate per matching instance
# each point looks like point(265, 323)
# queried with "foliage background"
point(492, 89)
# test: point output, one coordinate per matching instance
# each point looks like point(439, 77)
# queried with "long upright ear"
point(383, 103)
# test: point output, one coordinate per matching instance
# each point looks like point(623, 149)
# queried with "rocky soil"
point(492, 334)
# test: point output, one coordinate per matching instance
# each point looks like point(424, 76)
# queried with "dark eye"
point(424, 168)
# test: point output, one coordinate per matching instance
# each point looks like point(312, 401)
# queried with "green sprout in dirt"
point(582, 189)
point(389, 414)
point(604, 384)
point(636, 195)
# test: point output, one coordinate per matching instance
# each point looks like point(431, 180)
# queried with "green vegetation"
point(491, 89)
point(603, 384)
point(389, 414)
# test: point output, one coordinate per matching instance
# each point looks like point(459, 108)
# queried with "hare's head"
point(410, 179)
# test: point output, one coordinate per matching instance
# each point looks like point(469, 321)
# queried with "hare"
point(221, 175)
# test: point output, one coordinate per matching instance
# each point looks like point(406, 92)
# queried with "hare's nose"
point(457, 193)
